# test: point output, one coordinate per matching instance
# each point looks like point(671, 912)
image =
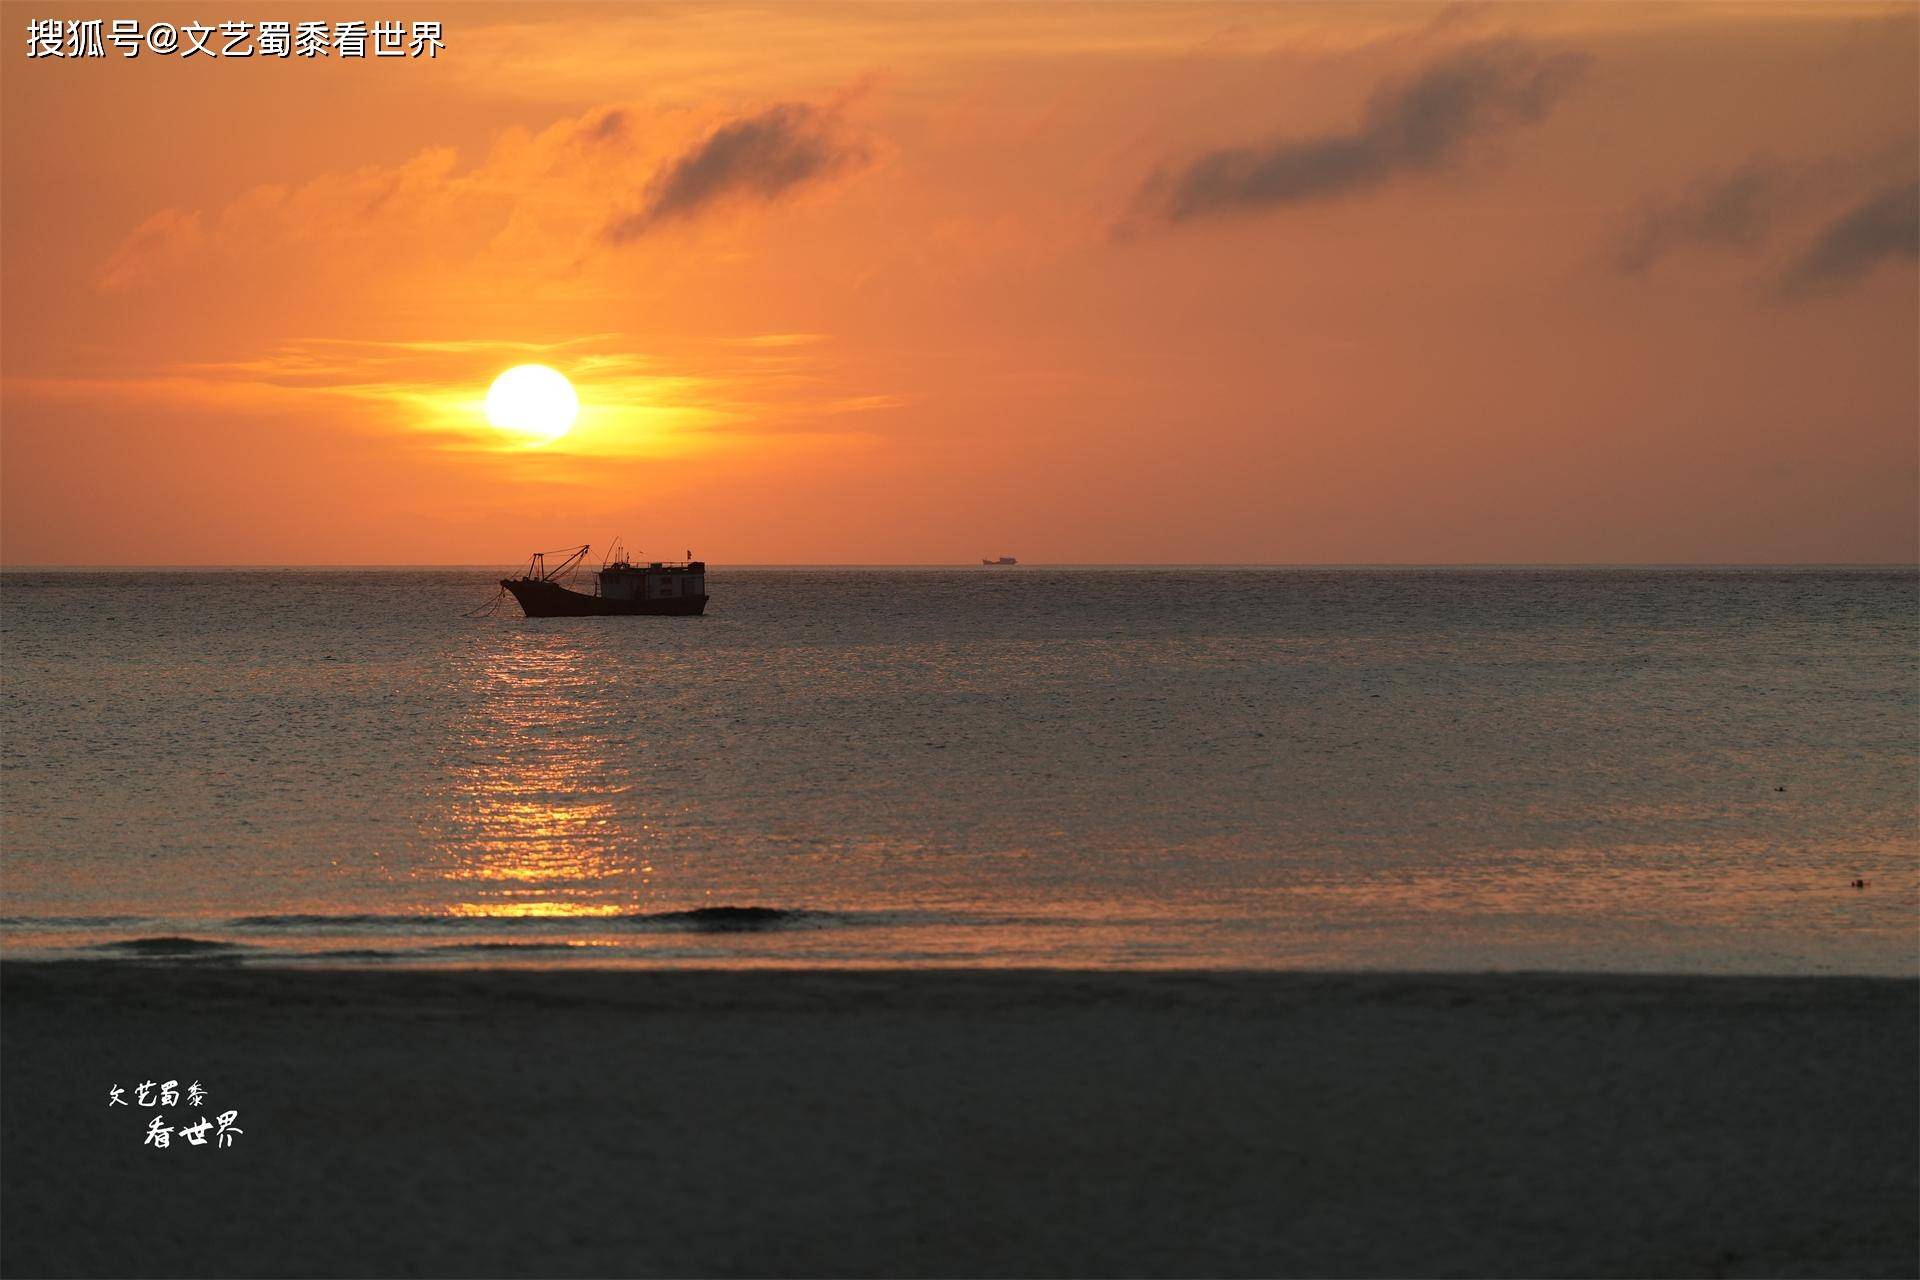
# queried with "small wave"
point(171, 946)
point(724, 919)
point(735, 919)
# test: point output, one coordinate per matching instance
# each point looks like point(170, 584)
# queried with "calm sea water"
point(1604, 769)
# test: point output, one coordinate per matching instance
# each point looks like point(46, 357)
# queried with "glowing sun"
point(532, 401)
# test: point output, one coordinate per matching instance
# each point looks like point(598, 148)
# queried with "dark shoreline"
point(961, 1122)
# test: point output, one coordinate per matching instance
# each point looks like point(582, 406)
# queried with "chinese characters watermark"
point(91, 38)
point(160, 1134)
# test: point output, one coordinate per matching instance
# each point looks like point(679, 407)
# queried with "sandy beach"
point(961, 1123)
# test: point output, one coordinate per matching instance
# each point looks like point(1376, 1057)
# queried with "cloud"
point(153, 248)
point(1409, 126)
point(1885, 225)
point(1855, 209)
point(648, 396)
point(518, 219)
point(1735, 211)
point(611, 125)
point(761, 156)
point(1868, 218)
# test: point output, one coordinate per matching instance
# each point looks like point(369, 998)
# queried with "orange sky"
point(918, 283)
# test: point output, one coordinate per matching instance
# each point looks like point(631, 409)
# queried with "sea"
point(1634, 769)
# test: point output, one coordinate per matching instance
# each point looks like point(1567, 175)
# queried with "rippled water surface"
point(1609, 769)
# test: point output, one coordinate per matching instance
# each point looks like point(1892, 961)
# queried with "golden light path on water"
point(531, 829)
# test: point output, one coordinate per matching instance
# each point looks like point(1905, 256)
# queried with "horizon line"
point(491, 566)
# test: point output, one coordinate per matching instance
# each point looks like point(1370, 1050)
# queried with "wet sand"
point(960, 1123)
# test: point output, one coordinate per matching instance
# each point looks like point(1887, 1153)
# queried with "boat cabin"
point(658, 580)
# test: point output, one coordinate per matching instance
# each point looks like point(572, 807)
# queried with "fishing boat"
point(672, 588)
point(1001, 560)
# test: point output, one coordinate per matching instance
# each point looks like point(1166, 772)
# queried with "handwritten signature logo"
point(160, 1134)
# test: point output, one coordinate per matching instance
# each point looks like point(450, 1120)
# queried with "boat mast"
point(537, 567)
point(579, 553)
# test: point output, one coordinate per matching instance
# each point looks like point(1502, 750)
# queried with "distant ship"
point(1001, 560)
point(668, 587)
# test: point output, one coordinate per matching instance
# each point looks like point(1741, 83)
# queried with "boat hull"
point(550, 600)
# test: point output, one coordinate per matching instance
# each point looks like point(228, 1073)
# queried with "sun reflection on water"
point(533, 826)
point(548, 910)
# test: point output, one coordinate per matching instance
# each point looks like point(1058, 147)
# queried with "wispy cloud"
point(636, 398)
point(1735, 210)
point(152, 249)
point(1850, 212)
point(1884, 226)
point(523, 215)
point(1410, 125)
point(757, 157)
point(611, 125)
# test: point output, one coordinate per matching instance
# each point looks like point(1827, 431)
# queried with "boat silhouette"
point(667, 588)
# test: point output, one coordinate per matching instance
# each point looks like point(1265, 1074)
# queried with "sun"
point(533, 401)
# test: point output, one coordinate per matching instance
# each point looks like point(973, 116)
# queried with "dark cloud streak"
point(1885, 225)
point(1409, 126)
point(611, 125)
point(1735, 211)
point(1870, 202)
point(761, 156)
